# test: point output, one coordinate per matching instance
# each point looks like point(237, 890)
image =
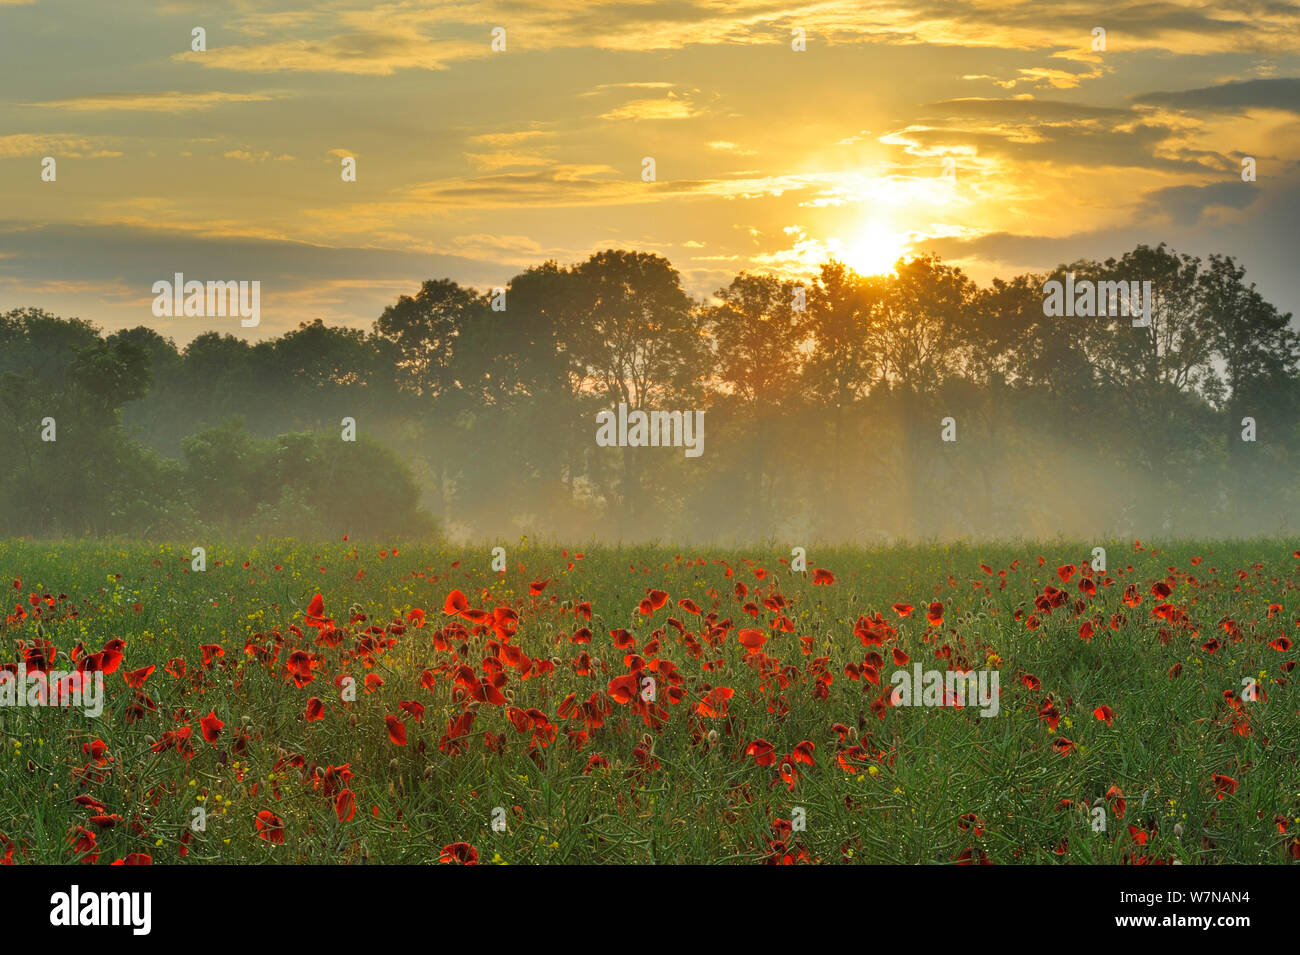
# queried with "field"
point(644, 705)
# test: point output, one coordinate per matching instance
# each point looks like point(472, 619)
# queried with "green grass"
point(706, 801)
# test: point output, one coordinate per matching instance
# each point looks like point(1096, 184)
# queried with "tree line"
point(827, 404)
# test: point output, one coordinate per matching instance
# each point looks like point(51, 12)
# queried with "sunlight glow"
point(874, 250)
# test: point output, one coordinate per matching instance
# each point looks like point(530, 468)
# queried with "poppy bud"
point(1178, 830)
point(392, 765)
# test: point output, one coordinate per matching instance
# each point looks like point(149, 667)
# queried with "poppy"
point(803, 752)
point(624, 689)
point(1224, 785)
point(210, 726)
point(764, 753)
point(136, 678)
point(459, 852)
point(345, 805)
point(270, 827)
point(396, 730)
point(315, 709)
point(456, 603)
point(714, 703)
point(415, 709)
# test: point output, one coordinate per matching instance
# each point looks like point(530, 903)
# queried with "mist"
point(598, 402)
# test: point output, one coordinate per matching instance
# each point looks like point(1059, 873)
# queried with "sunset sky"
point(473, 164)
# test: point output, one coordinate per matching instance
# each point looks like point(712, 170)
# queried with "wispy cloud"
point(169, 101)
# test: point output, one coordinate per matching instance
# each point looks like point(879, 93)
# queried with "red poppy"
point(85, 844)
point(903, 610)
point(210, 726)
point(459, 852)
point(935, 614)
point(822, 578)
point(456, 602)
point(315, 710)
point(624, 689)
point(803, 752)
point(1104, 714)
point(1224, 785)
point(396, 730)
point(345, 805)
point(136, 678)
point(415, 709)
point(270, 827)
point(764, 753)
point(714, 703)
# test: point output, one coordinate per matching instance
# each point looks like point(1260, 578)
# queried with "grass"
point(914, 785)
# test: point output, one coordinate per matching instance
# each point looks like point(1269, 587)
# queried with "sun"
point(874, 249)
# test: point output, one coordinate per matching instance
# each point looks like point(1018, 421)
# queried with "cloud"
point(109, 270)
point(1187, 205)
point(245, 155)
point(672, 107)
point(508, 138)
point(1282, 93)
point(367, 53)
point(159, 102)
point(505, 160)
point(59, 145)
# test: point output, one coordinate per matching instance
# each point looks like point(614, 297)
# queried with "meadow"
point(353, 702)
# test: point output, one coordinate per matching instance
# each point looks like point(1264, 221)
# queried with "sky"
point(993, 133)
